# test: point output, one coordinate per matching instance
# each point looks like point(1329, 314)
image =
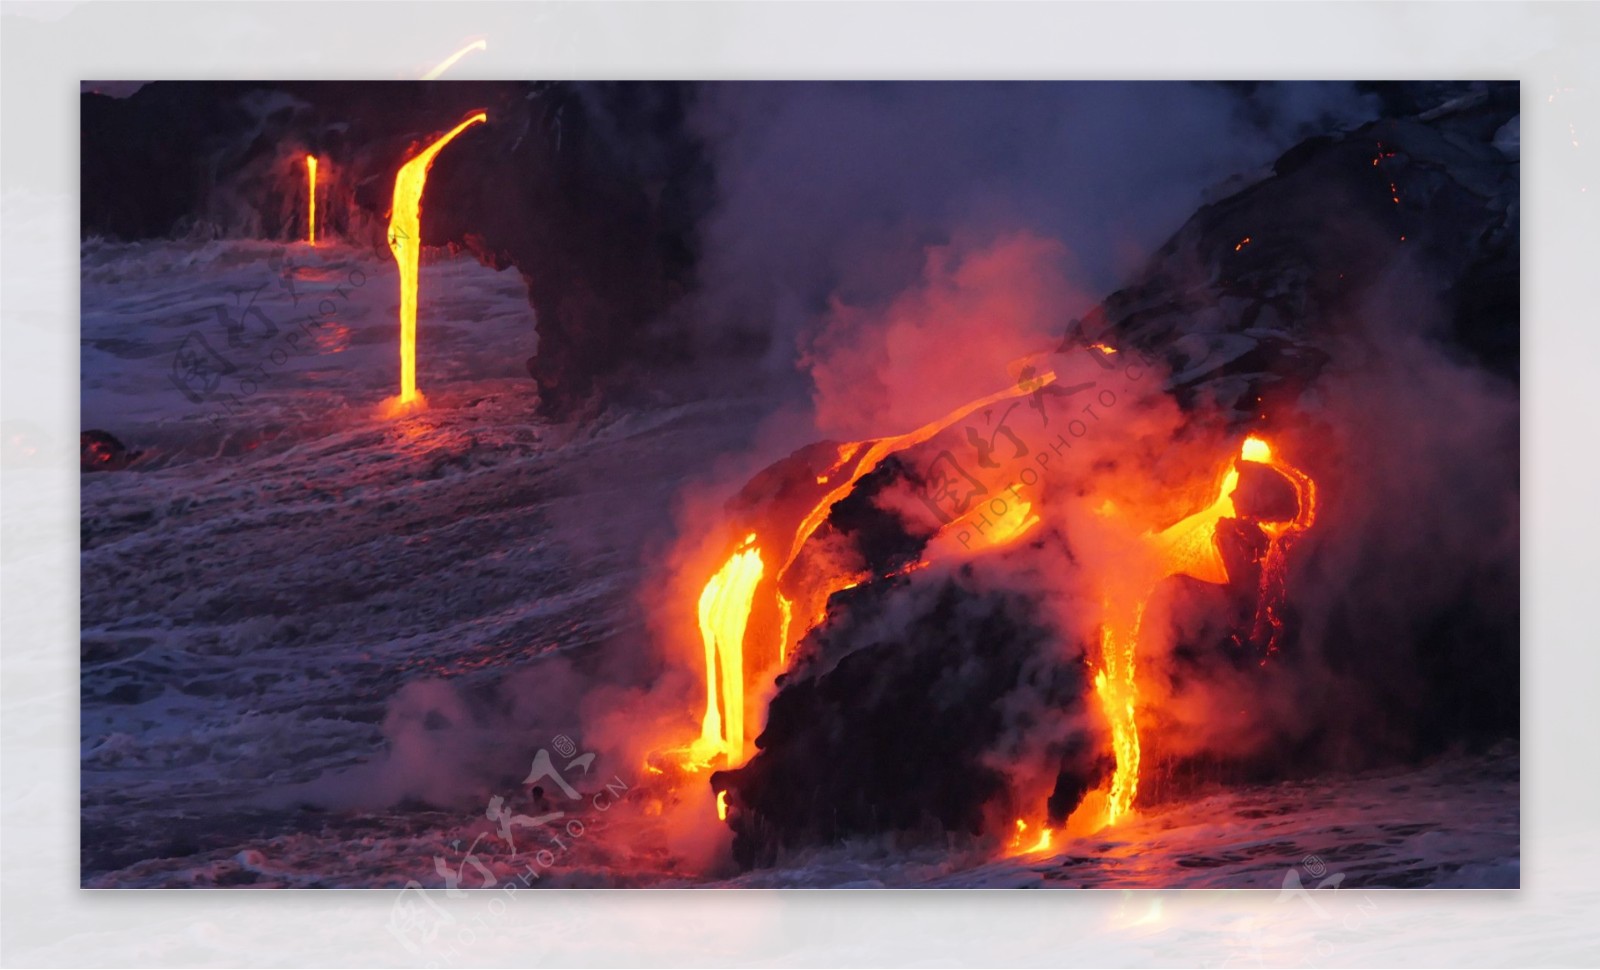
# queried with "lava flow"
point(311, 199)
point(1280, 535)
point(1189, 548)
point(1020, 844)
point(405, 241)
point(730, 595)
point(755, 580)
point(724, 611)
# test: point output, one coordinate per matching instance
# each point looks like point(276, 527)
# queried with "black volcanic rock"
point(1265, 494)
point(901, 733)
point(1245, 300)
point(592, 191)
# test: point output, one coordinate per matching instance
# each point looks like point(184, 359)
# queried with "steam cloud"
point(834, 200)
point(890, 248)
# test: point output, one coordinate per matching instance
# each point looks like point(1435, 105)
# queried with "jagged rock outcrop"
point(1244, 300)
point(905, 734)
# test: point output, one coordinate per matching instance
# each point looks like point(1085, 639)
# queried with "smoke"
point(895, 250)
point(946, 340)
point(1403, 599)
point(836, 200)
point(900, 247)
point(453, 744)
point(905, 245)
point(1411, 598)
point(1401, 603)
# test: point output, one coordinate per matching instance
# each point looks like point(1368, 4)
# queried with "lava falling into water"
point(1119, 694)
point(728, 597)
point(405, 241)
point(724, 611)
point(1268, 625)
point(1188, 547)
point(1020, 844)
point(311, 199)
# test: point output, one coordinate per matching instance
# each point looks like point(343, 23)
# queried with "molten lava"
point(1020, 844)
point(984, 527)
point(729, 596)
point(405, 241)
point(1188, 547)
point(724, 611)
point(1017, 521)
point(757, 572)
point(1254, 449)
point(1274, 562)
point(1119, 695)
point(311, 199)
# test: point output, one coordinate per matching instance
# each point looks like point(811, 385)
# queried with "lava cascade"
point(1187, 547)
point(405, 242)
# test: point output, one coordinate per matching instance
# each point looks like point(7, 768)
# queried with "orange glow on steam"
point(757, 571)
point(1188, 547)
point(1020, 844)
point(729, 596)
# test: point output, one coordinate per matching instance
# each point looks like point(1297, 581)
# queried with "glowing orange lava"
point(985, 527)
point(311, 199)
point(724, 611)
point(758, 567)
point(1017, 521)
point(877, 451)
point(1274, 562)
point(1020, 844)
point(1188, 547)
point(405, 241)
point(1254, 449)
point(730, 594)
